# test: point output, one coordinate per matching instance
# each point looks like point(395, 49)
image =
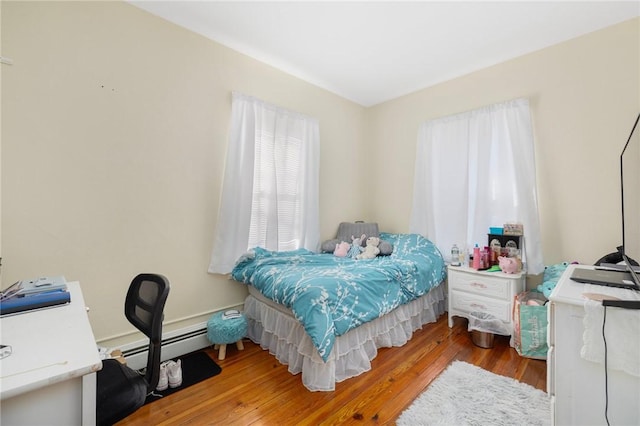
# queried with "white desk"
point(576, 386)
point(50, 376)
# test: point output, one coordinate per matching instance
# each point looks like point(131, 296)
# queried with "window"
point(475, 170)
point(270, 189)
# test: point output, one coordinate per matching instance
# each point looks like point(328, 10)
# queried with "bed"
point(326, 316)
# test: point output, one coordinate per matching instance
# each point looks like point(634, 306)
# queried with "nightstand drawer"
point(481, 284)
point(472, 303)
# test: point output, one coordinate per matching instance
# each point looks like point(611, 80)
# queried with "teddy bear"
point(356, 246)
point(371, 249)
point(342, 249)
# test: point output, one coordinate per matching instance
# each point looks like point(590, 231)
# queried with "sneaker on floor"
point(174, 373)
point(163, 381)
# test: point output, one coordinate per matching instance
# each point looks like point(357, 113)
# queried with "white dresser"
point(577, 386)
point(480, 291)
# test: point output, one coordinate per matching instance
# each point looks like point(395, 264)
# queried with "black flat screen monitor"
point(630, 193)
point(629, 276)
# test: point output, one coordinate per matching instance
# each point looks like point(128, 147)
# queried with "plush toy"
point(550, 278)
point(356, 246)
point(546, 288)
point(508, 265)
point(342, 249)
point(371, 250)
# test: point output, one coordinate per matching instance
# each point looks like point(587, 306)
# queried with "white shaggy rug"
point(468, 395)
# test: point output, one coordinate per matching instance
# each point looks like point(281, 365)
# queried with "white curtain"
point(270, 191)
point(475, 170)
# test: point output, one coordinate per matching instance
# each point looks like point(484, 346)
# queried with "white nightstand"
point(480, 291)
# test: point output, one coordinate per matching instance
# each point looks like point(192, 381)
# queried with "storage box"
point(505, 241)
point(513, 229)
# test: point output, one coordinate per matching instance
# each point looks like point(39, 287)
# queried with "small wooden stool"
point(221, 332)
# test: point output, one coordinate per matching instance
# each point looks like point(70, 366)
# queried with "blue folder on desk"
point(33, 294)
point(36, 301)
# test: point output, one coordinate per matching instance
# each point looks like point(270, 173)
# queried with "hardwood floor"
point(255, 389)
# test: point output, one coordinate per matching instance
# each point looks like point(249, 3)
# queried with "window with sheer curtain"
point(475, 170)
point(270, 190)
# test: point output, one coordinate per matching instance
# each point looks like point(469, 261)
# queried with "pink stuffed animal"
point(508, 265)
point(342, 249)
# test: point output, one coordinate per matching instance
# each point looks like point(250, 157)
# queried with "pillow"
point(348, 229)
point(386, 248)
point(330, 245)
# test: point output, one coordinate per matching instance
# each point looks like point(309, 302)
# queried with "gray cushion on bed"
point(329, 246)
point(386, 248)
point(348, 229)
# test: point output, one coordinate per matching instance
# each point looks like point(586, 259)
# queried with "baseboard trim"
point(174, 344)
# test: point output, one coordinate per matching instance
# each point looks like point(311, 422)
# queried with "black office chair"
point(120, 389)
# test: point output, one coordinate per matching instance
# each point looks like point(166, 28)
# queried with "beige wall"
point(114, 126)
point(114, 138)
point(1, 66)
point(584, 96)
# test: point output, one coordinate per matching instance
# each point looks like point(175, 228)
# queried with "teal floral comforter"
point(330, 295)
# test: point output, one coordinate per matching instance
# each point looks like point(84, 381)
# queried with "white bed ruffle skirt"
point(285, 338)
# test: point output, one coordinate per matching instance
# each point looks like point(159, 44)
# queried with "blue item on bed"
point(330, 295)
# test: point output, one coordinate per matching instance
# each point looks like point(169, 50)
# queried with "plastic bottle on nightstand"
point(455, 256)
point(476, 257)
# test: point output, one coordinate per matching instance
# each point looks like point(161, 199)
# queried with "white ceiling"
point(372, 51)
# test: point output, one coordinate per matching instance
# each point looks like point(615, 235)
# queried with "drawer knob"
point(479, 306)
point(479, 285)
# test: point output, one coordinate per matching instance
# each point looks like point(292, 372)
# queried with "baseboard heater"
point(175, 344)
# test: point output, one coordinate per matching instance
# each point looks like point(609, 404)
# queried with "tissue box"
point(513, 229)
